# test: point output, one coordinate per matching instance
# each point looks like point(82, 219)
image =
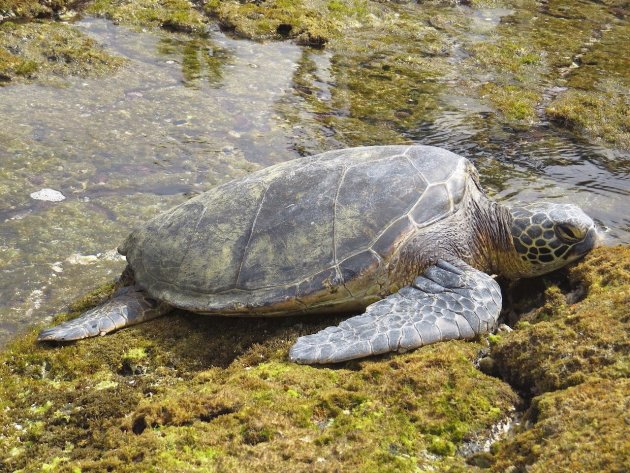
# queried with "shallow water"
point(186, 114)
point(183, 115)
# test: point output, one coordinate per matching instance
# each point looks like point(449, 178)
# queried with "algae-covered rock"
point(178, 15)
point(310, 22)
point(575, 357)
point(597, 102)
point(194, 393)
point(29, 9)
point(197, 393)
point(558, 61)
point(581, 428)
point(47, 51)
point(604, 115)
point(569, 343)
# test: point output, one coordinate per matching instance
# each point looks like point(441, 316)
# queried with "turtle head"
point(547, 236)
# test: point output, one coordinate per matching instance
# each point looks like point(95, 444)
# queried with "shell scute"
point(434, 204)
point(354, 266)
point(371, 197)
point(435, 164)
point(293, 232)
point(393, 235)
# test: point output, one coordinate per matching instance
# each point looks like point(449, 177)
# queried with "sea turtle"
point(403, 233)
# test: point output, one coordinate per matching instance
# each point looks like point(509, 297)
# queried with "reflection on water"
point(202, 59)
point(188, 113)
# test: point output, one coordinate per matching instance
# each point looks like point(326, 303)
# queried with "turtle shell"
point(293, 236)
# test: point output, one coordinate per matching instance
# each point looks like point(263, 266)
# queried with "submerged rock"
point(49, 195)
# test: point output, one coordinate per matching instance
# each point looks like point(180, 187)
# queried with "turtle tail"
point(128, 306)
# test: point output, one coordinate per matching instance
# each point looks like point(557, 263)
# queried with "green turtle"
point(404, 234)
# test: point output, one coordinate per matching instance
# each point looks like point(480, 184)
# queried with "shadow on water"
point(187, 113)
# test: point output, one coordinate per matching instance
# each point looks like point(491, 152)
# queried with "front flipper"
point(445, 303)
point(128, 306)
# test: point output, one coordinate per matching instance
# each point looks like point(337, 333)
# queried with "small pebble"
point(49, 195)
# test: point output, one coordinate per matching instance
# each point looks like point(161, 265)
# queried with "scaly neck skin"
point(492, 242)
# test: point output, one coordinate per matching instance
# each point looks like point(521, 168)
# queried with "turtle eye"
point(569, 233)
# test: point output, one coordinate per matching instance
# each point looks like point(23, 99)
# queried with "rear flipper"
point(128, 306)
point(446, 303)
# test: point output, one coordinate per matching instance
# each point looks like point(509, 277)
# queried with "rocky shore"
point(194, 393)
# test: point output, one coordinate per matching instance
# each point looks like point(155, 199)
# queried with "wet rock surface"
point(571, 361)
point(47, 52)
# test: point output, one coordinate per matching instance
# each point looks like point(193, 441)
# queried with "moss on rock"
point(566, 344)
point(178, 15)
point(604, 115)
point(581, 428)
point(213, 394)
point(30, 9)
point(560, 61)
point(218, 394)
point(516, 103)
point(575, 359)
point(47, 51)
point(310, 22)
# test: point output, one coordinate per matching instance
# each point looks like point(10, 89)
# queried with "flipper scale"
point(448, 302)
point(127, 307)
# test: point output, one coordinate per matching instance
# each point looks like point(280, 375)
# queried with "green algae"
point(515, 103)
point(214, 394)
point(48, 51)
point(178, 15)
point(542, 48)
point(574, 358)
point(30, 9)
point(604, 116)
point(565, 344)
point(596, 104)
point(309, 22)
point(581, 428)
point(219, 395)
